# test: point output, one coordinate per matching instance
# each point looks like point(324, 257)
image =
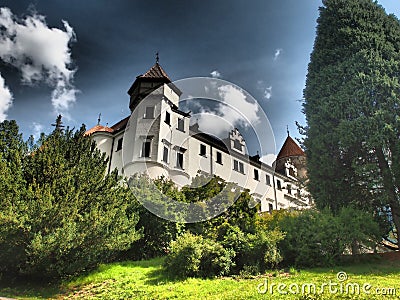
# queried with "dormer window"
point(237, 145)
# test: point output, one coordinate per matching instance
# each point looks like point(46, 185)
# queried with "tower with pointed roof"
point(148, 82)
point(291, 160)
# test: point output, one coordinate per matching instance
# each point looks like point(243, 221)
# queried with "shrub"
point(257, 251)
point(192, 256)
point(184, 256)
point(319, 238)
point(215, 259)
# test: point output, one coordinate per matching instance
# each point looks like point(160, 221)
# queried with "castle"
point(157, 139)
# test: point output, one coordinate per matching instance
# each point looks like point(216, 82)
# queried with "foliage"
point(184, 256)
point(257, 250)
point(352, 106)
point(157, 232)
point(319, 238)
point(192, 256)
point(65, 215)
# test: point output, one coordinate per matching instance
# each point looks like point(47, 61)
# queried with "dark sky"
point(117, 40)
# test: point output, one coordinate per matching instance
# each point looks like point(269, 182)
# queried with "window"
point(278, 184)
point(203, 150)
point(119, 144)
point(149, 113)
point(289, 189)
point(256, 176)
point(268, 179)
point(181, 124)
point(165, 154)
point(241, 167)
point(270, 207)
point(179, 160)
point(146, 146)
point(237, 145)
point(219, 157)
point(168, 118)
point(238, 166)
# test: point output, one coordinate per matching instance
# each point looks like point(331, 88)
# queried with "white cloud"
point(37, 129)
point(234, 110)
point(5, 99)
point(215, 74)
point(268, 93)
point(42, 54)
point(266, 90)
point(268, 159)
point(278, 52)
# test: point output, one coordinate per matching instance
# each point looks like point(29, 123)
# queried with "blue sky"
point(94, 49)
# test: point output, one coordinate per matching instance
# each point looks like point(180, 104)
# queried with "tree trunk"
point(390, 188)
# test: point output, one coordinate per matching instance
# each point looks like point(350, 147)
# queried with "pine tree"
point(68, 215)
point(352, 107)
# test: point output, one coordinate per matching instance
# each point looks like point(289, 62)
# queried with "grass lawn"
point(146, 280)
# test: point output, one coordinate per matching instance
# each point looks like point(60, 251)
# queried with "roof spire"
point(157, 57)
point(287, 130)
point(99, 119)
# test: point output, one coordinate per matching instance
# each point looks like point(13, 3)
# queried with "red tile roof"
point(155, 72)
point(98, 128)
point(290, 148)
point(121, 124)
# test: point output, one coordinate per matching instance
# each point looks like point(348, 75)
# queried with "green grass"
point(146, 280)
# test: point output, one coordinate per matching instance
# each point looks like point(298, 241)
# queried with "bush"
point(192, 256)
point(184, 256)
point(319, 238)
point(257, 251)
point(215, 259)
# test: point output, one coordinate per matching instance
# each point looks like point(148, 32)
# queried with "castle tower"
point(157, 131)
point(291, 160)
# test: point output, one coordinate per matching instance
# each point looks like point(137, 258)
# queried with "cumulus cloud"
point(266, 90)
point(234, 110)
point(268, 93)
point(278, 52)
point(215, 74)
point(5, 99)
point(37, 129)
point(268, 159)
point(42, 54)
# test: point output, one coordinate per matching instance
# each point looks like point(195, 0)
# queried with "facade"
point(157, 139)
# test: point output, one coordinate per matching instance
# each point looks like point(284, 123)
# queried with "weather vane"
point(157, 57)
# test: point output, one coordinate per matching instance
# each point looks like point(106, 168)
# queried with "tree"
point(352, 107)
point(66, 216)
